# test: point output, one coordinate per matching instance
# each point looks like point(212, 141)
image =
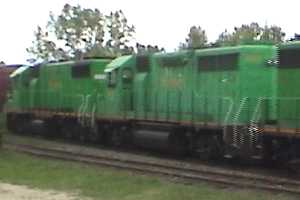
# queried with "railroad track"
point(186, 172)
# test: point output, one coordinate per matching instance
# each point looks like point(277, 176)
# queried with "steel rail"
point(224, 177)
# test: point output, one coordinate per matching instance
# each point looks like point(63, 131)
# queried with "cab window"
point(218, 62)
point(112, 78)
point(81, 70)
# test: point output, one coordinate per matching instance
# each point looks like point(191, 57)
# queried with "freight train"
point(240, 101)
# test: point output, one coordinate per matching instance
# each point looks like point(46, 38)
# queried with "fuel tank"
point(152, 135)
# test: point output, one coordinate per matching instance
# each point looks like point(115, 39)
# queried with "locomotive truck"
point(240, 101)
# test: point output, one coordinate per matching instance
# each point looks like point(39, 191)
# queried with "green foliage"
point(120, 33)
point(196, 39)
point(251, 33)
point(144, 49)
point(45, 49)
point(81, 32)
point(273, 33)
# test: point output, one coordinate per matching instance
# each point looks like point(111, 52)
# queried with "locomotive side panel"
point(258, 85)
point(288, 92)
point(171, 81)
point(216, 90)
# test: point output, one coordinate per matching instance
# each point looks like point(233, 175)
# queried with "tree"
point(144, 49)
point(196, 39)
point(251, 33)
point(80, 32)
point(120, 33)
point(45, 49)
point(225, 38)
point(273, 33)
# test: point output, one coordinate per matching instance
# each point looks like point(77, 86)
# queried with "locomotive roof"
point(70, 62)
point(177, 53)
point(19, 71)
point(231, 49)
point(213, 51)
point(293, 44)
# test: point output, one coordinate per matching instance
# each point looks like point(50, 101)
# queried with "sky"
point(164, 23)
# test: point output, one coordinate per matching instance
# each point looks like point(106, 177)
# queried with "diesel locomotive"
point(240, 101)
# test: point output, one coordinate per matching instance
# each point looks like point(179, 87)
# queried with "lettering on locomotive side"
point(172, 83)
point(53, 84)
point(252, 58)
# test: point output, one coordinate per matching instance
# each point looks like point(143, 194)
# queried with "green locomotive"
point(237, 101)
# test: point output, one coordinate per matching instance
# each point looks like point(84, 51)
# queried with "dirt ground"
point(16, 192)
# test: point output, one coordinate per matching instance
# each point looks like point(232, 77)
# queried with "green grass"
point(102, 183)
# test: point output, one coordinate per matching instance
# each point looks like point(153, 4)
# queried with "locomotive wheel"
point(207, 147)
point(21, 125)
point(116, 137)
point(267, 151)
point(83, 133)
point(68, 130)
point(178, 144)
point(52, 128)
point(67, 133)
point(95, 135)
point(113, 136)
